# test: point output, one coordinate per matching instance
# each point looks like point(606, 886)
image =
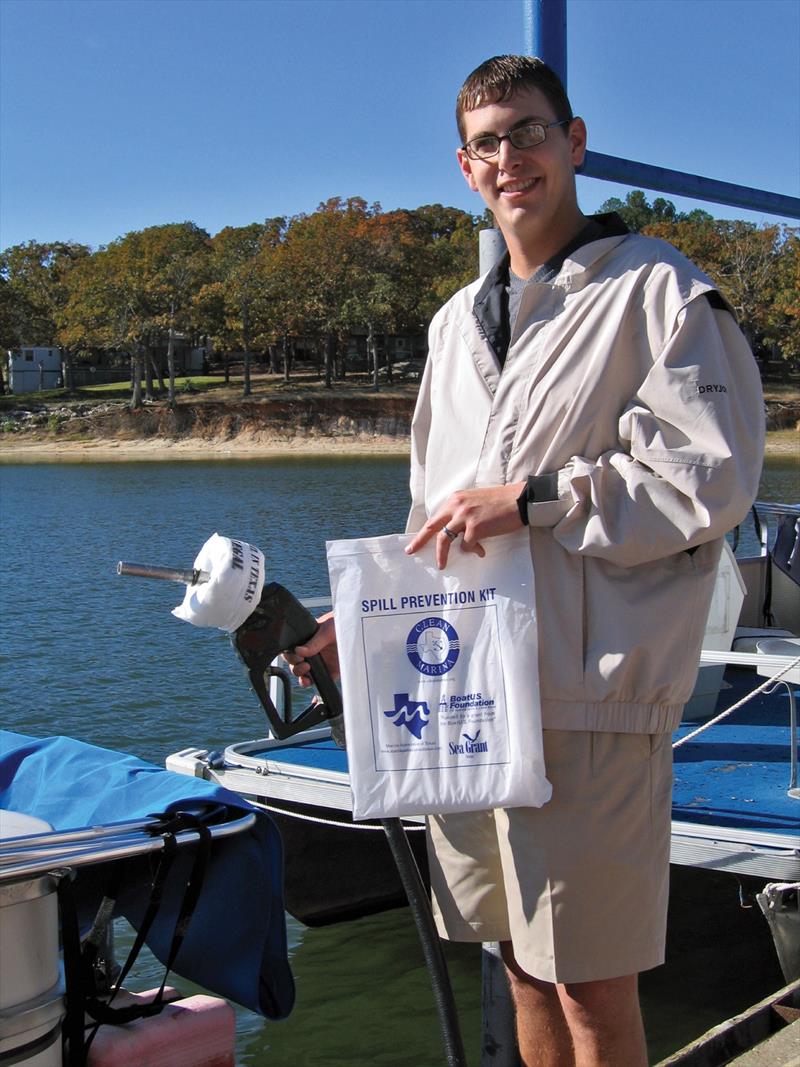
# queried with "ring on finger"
point(449, 534)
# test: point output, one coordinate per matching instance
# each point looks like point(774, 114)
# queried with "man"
point(594, 387)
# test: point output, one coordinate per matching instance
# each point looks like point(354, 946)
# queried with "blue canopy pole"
point(679, 183)
point(546, 37)
point(546, 33)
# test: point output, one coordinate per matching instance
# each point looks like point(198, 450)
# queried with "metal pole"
point(164, 574)
point(527, 15)
point(545, 36)
point(548, 33)
point(498, 1031)
point(491, 248)
point(34, 854)
point(679, 183)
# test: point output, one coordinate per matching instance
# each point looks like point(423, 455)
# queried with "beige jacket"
point(624, 379)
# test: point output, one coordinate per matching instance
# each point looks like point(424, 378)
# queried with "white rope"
point(729, 711)
point(329, 822)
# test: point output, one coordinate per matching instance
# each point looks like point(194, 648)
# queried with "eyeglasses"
point(526, 136)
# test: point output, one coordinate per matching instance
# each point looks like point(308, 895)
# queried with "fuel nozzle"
point(278, 624)
point(226, 589)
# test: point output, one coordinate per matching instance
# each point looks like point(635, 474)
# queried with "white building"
point(32, 369)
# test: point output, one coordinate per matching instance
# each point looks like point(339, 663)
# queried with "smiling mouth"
point(520, 186)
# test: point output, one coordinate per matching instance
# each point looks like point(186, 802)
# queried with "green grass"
point(198, 383)
point(304, 383)
point(201, 382)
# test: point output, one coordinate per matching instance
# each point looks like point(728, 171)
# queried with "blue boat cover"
point(236, 941)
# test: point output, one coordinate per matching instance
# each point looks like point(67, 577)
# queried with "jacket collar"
point(490, 307)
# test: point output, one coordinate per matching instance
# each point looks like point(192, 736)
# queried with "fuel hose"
point(429, 939)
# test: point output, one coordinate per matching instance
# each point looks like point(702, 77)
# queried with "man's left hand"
point(473, 515)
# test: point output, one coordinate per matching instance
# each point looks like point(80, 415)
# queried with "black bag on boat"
point(784, 554)
point(80, 957)
point(786, 550)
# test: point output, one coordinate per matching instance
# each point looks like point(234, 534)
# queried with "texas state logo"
point(413, 714)
point(433, 646)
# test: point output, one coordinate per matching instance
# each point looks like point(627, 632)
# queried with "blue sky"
point(121, 114)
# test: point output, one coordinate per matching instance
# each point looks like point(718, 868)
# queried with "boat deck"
point(320, 754)
point(731, 806)
point(732, 786)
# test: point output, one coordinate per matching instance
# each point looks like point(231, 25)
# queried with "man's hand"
point(475, 514)
point(323, 642)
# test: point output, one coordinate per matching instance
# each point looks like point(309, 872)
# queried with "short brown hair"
point(498, 79)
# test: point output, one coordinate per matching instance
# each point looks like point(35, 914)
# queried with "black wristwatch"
point(522, 501)
point(538, 487)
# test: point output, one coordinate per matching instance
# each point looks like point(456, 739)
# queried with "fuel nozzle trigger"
point(280, 623)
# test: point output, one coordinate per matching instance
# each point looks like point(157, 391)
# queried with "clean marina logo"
point(433, 646)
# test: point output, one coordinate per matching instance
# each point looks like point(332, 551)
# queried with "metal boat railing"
point(769, 508)
point(34, 854)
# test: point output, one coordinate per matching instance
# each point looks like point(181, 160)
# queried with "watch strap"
point(538, 488)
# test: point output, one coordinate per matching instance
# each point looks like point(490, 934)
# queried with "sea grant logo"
point(433, 646)
point(413, 714)
point(469, 746)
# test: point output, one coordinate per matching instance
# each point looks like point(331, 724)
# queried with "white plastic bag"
point(439, 676)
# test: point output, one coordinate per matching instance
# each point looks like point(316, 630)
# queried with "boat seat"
point(789, 647)
point(747, 637)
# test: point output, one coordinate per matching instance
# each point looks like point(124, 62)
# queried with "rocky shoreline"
point(281, 427)
point(274, 427)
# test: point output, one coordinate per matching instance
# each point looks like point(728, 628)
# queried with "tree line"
point(757, 268)
point(347, 267)
point(254, 289)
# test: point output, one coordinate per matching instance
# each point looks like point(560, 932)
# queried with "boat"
point(304, 785)
point(735, 805)
point(736, 802)
point(88, 834)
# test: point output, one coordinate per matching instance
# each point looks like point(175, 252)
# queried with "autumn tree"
point(178, 257)
point(320, 263)
point(446, 254)
point(637, 213)
point(102, 312)
point(34, 293)
point(231, 299)
point(381, 292)
point(781, 321)
point(134, 295)
point(755, 267)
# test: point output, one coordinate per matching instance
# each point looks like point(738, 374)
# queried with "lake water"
point(98, 657)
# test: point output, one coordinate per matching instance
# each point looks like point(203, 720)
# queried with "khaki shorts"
point(579, 886)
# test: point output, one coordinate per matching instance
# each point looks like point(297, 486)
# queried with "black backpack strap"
point(102, 1010)
point(96, 970)
point(79, 960)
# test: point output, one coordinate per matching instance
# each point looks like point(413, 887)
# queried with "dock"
point(766, 1035)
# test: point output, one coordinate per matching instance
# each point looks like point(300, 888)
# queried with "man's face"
point(530, 191)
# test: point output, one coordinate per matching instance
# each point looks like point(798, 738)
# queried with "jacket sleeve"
point(420, 429)
point(688, 461)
